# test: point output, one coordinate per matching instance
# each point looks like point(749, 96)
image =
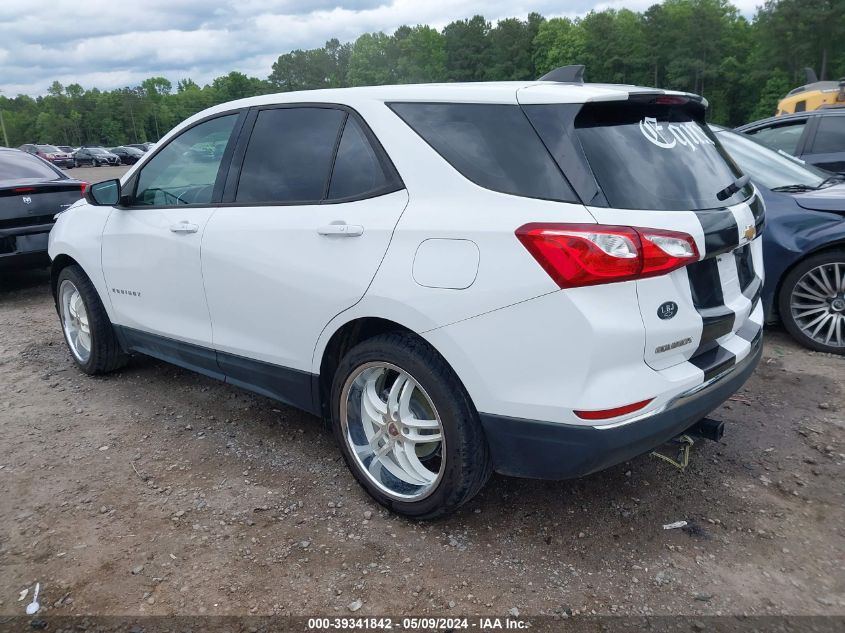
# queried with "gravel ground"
point(96, 174)
point(158, 491)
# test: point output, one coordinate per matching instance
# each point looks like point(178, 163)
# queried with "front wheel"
point(407, 428)
point(812, 302)
point(86, 327)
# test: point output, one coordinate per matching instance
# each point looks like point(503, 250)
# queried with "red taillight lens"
point(24, 189)
point(577, 255)
point(83, 187)
point(605, 414)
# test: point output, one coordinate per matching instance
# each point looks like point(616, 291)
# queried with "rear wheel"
point(407, 428)
point(812, 302)
point(86, 327)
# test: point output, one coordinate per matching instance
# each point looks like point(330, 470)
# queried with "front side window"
point(493, 145)
point(289, 156)
point(656, 156)
point(783, 137)
point(185, 170)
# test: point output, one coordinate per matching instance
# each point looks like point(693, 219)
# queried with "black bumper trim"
point(548, 450)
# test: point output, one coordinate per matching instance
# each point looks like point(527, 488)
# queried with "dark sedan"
point(803, 242)
point(127, 155)
point(94, 156)
point(32, 192)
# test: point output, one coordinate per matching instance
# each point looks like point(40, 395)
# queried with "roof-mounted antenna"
point(566, 74)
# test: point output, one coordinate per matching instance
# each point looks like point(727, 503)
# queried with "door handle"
point(341, 229)
point(184, 227)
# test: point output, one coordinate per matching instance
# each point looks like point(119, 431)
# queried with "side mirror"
point(104, 194)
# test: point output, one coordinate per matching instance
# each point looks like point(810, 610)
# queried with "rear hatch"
point(646, 160)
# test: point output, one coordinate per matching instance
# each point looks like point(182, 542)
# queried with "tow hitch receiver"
point(706, 428)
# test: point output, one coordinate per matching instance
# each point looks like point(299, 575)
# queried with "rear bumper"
point(25, 246)
point(547, 450)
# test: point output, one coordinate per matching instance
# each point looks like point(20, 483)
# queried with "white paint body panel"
point(273, 282)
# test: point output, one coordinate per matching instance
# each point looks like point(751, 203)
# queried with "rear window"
point(492, 145)
point(650, 156)
point(20, 167)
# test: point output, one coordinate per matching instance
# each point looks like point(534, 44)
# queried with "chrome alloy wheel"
point(818, 304)
point(393, 430)
point(75, 321)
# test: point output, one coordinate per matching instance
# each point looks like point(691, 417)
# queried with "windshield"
point(767, 167)
point(20, 167)
point(656, 156)
point(97, 150)
point(49, 149)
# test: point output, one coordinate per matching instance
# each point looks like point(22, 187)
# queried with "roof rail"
point(565, 74)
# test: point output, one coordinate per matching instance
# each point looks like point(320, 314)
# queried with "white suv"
point(541, 279)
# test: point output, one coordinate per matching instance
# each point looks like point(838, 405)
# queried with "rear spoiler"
point(574, 74)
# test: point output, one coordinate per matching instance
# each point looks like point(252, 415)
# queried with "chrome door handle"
point(184, 227)
point(341, 229)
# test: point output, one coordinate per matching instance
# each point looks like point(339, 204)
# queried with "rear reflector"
point(576, 255)
point(605, 414)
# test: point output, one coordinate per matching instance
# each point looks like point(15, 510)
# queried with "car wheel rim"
point(818, 304)
point(393, 431)
point(75, 321)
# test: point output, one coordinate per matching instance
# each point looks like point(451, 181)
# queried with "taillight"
point(588, 254)
point(83, 187)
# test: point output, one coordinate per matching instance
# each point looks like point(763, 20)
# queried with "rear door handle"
point(184, 227)
point(341, 229)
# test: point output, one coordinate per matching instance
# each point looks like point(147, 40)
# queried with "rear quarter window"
point(493, 145)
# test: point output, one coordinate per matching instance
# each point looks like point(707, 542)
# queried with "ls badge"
point(667, 310)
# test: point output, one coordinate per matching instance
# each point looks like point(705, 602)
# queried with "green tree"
point(369, 63)
point(467, 47)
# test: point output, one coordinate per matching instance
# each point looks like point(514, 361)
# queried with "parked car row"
point(94, 156)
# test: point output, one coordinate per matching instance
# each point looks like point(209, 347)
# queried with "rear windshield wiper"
point(732, 188)
point(794, 188)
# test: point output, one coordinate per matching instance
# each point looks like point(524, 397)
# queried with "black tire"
point(835, 256)
point(106, 354)
point(467, 458)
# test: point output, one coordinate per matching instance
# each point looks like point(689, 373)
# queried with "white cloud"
point(108, 44)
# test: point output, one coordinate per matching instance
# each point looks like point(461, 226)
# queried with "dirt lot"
point(96, 174)
point(158, 491)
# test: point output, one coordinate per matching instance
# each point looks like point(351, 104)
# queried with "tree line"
point(704, 46)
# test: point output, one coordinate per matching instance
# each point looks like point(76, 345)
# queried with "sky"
point(114, 43)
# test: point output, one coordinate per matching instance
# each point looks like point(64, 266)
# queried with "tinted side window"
point(357, 168)
point(783, 137)
point(492, 145)
point(185, 170)
point(830, 135)
point(289, 156)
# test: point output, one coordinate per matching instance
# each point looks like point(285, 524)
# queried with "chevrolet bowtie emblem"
point(750, 232)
